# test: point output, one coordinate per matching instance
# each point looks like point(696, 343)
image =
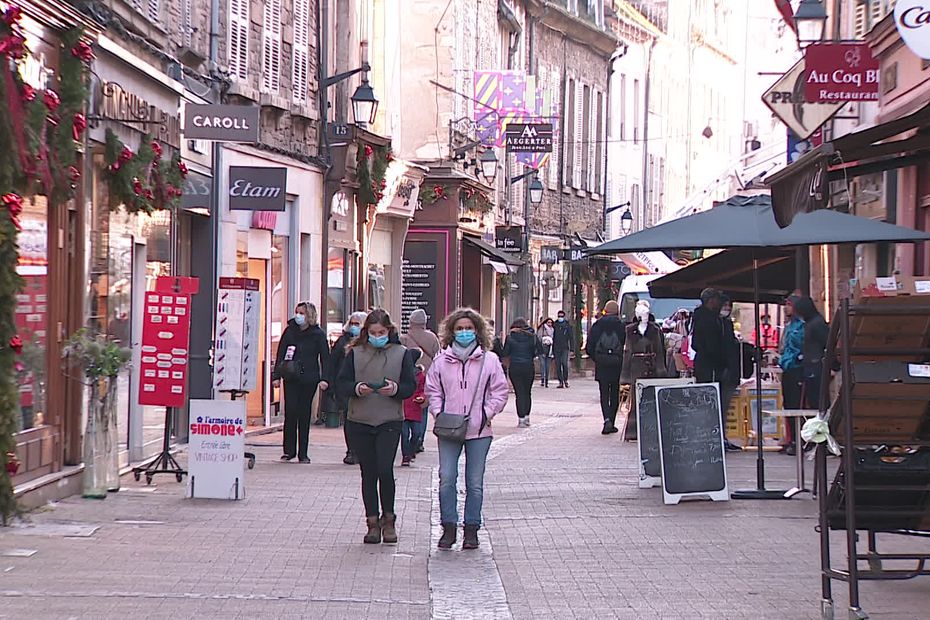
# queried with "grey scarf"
point(463, 353)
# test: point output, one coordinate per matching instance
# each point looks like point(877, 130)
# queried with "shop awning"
point(491, 252)
point(803, 186)
point(498, 267)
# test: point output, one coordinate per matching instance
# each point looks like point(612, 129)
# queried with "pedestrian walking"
point(377, 377)
point(465, 379)
point(816, 332)
point(413, 412)
point(730, 378)
point(605, 348)
point(563, 343)
point(337, 357)
point(545, 332)
point(711, 358)
point(419, 336)
point(302, 363)
point(792, 370)
point(521, 348)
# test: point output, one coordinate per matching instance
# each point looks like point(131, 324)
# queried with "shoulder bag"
point(454, 426)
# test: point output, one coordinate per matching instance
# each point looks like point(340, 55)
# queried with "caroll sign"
point(913, 20)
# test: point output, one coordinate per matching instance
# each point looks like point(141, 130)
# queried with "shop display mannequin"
point(643, 357)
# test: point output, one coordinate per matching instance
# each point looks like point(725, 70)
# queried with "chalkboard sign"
point(691, 442)
point(647, 429)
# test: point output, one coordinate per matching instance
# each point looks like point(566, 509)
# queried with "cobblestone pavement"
point(568, 535)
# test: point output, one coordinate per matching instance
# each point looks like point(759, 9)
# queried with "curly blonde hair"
point(447, 331)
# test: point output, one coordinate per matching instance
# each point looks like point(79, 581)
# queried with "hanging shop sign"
point(550, 254)
point(221, 123)
point(115, 104)
point(509, 239)
point(786, 100)
point(198, 191)
point(237, 317)
point(253, 188)
point(619, 270)
point(529, 137)
point(575, 255)
point(166, 327)
point(840, 72)
point(913, 20)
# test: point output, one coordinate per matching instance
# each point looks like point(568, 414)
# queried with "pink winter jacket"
point(458, 381)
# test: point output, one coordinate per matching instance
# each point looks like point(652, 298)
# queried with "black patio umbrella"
point(748, 222)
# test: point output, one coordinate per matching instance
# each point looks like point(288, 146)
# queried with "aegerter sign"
point(221, 123)
point(529, 137)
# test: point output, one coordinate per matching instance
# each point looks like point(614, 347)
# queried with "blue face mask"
point(355, 330)
point(465, 337)
point(561, 319)
point(378, 342)
point(300, 319)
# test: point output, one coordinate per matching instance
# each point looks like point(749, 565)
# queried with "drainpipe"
point(322, 46)
point(646, 89)
point(608, 133)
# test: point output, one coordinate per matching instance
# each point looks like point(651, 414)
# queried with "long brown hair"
point(376, 317)
point(447, 331)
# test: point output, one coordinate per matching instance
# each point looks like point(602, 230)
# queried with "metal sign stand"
point(164, 463)
point(249, 456)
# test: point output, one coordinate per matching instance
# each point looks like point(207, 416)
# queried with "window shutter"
point(578, 137)
point(301, 61)
point(187, 26)
point(861, 19)
point(568, 132)
point(154, 10)
point(271, 46)
point(601, 187)
point(593, 140)
point(239, 39)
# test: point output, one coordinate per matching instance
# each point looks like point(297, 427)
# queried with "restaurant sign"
point(913, 20)
point(840, 72)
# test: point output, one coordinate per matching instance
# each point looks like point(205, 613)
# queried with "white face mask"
point(725, 313)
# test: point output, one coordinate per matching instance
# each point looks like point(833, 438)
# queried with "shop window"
point(376, 286)
point(336, 268)
point(280, 307)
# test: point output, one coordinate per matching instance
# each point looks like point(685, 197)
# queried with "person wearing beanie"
point(419, 336)
point(605, 348)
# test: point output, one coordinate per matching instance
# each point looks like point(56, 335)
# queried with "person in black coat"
point(563, 344)
point(816, 333)
point(730, 378)
point(335, 401)
point(710, 361)
point(608, 364)
point(521, 349)
point(303, 363)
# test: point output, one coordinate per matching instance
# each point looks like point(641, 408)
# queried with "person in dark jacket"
point(521, 348)
point(710, 361)
point(563, 343)
point(350, 332)
point(816, 333)
point(303, 363)
point(607, 363)
point(376, 378)
point(731, 375)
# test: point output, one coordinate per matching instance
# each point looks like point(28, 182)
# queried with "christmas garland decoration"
point(477, 201)
point(371, 170)
point(142, 181)
point(39, 132)
point(431, 195)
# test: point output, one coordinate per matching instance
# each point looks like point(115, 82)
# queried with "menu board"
point(238, 313)
point(421, 285)
point(166, 330)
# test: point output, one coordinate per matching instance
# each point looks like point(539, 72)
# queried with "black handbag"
point(454, 426)
point(290, 370)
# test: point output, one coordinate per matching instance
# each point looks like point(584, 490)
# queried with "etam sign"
point(913, 20)
point(254, 188)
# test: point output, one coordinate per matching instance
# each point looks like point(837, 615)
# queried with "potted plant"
point(100, 359)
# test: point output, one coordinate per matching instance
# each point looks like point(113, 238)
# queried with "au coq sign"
point(840, 72)
point(257, 189)
point(913, 20)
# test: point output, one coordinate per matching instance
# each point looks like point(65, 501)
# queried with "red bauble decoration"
point(29, 93)
point(74, 173)
point(156, 148)
point(79, 124)
point(12, 463)
point(137, 186)
point(14, 46)
point(52, 100)
point(16, 343)
point(83, 51)
point(183, 168)
point(125, 155)
point(368, 151)
point(439, 190)
point(13, 203)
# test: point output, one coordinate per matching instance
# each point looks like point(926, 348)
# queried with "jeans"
point(408, 437)
point(561, 366)
point(610, 400)
point(375, 447)
point(298, 400)
point(522, 377)
point(476, 456)
point(544, 362)
point(421, 428)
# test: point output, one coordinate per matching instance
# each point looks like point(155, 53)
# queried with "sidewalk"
point(568, 535)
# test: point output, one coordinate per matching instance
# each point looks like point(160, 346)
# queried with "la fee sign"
point(912, 18)
point(840, 72)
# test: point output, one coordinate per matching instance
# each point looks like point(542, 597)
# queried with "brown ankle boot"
point(388, 531)
point(373, 537)
point(448, 536)
point(470, 540)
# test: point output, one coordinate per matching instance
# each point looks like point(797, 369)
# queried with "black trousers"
point(610, 399)
point(522, 377)
point(375, 447)
point(298, 401)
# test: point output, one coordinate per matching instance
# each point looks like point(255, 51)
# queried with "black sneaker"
point(731, 447)
point(608, 428)
point(304, 459)
point(350, 459)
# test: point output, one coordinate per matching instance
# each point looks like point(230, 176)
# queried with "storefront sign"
point(254, 188)
point(840, 72)
point(118, 105)
point(786, 100)
point(221, 123)
point(166, 329)
point(550, 254)
point(198, 192)
point(421, 286)
point(216, 449)
point(913, 20)
point(575, 255)
point(509, 239)
point(529, 138)
point(237, 315)
point(340, 132)
point(619, 270)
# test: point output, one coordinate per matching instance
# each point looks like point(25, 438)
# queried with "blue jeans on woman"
point(476, 456)
point(408, 438)
point(421, 430)
point(544, 360)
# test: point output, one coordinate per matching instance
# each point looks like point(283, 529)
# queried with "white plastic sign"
point(912, 18)
point(216, 449)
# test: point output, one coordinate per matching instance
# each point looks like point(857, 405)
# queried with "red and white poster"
point(840, 72)
point(166, 330)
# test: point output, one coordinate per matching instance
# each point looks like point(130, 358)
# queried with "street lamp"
point(626, 222)
point(364, 104)
point(810, 21)
point(536, 191)
point(488, 161)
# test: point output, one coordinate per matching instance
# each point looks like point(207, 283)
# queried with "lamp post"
point(364, 104)
point(626, 222)
point(810, 21)
point(536, 190)
point(488, 162)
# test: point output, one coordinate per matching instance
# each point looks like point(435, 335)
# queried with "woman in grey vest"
point(376, 377)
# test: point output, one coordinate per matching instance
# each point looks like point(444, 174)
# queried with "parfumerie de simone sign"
point(221, 123)
point(529, 138)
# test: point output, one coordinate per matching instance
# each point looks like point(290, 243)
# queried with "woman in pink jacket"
point(466, 378)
